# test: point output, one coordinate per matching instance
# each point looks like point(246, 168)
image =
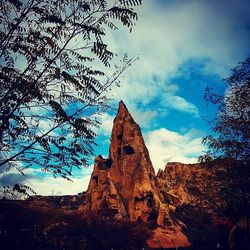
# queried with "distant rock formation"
point(124, 185)
point(174, 179)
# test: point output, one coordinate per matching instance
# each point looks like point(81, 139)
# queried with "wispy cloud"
point(165, 146)
point(170, 34)
point(58, 186)
point(179, 103)
point(46, 184)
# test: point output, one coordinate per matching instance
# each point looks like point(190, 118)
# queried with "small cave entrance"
point(105, 163)
point(96, 179)
point(150, 176)
point(119, 137)
point(150, 203)
point(119, 151)
point(167, 222)
point(152, 216)
point(152, 220)
point(136, 199)
point(128, 150)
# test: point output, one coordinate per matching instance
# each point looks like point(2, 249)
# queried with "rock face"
point(124, 185)
point(173, 181)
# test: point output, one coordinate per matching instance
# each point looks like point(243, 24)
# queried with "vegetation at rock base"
point(23, 227)
point(203, 229)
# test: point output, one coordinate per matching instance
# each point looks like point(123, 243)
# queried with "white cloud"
point(179, 103)
point(106, 124)
point(58, 186)
point(168, 35)
point(165, 146)
point(144, 118)
point(46, 184)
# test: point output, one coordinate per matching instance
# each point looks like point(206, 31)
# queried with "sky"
point(183, 47)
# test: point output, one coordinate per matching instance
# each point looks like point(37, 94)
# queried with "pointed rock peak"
point(122, 105)
point(122, 111)
point(128, 151)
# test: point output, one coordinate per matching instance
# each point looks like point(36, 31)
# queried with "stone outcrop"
point(173, 181)
point(124, 185)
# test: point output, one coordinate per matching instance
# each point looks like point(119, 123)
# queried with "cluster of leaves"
point(52, 79)
point(223, 193)
point(230, 142)
point(201, 229)
point(16, 192)
point(232, 122)
point(223, 188)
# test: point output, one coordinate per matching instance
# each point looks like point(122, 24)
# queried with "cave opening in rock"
point(119, 151)
point(105, 164)
point(150, 203)
point(152, 216)
point(128, 150)
point(167, 222)
point(119, 137)
point(150, 176)
point(136, 199)
point(96, 179)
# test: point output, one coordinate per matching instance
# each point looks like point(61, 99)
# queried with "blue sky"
point(183, 47)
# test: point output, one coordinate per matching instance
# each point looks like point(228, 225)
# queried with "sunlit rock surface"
point(124, 185)
point(173, 181)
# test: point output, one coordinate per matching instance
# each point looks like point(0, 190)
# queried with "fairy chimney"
point(123, 185)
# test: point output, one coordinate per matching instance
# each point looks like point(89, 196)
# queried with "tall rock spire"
point(132, 169)
point(124, 184)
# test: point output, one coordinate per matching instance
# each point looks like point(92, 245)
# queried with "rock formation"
point(124, 185)
point(173, 182)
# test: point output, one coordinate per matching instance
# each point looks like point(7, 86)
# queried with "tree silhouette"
point(229, 182)
point(232, 122)
point(54, 74)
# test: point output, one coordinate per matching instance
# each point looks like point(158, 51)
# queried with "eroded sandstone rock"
point(124, 185)
point(173, 182)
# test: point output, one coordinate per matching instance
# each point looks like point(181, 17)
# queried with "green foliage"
point(202, 229)
point(232, 122)
point(223, 188)
point(51, 87)
point(231, 142)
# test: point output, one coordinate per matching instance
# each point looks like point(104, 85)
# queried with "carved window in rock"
point(96, 179)
point(128, 150)
point(152, 216)
point(150, 203)
point(119, 151)
point(136, 199)
point(105, 164)
point(167, 222)
point(150, 176)
point(119, 137)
